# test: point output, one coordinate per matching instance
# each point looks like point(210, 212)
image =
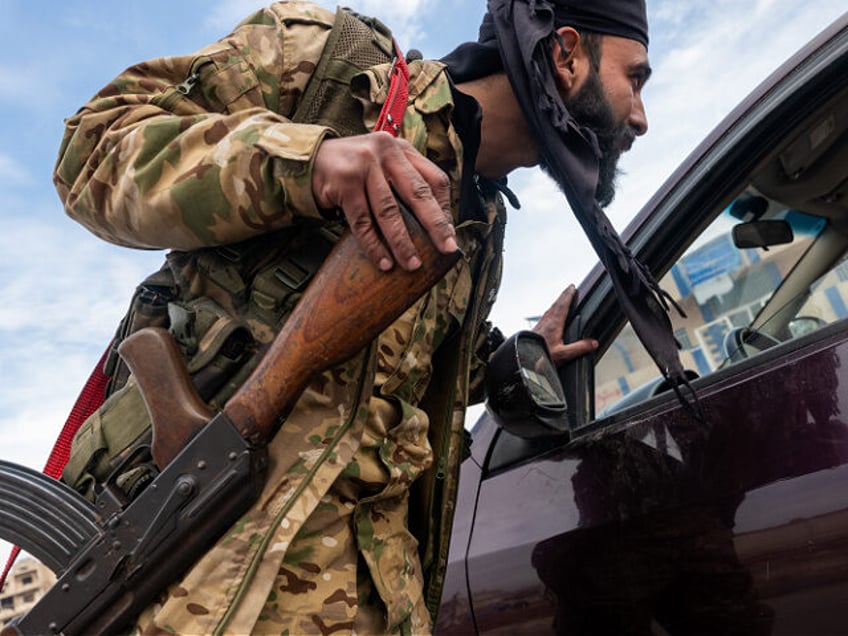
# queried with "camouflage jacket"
point(199, 153)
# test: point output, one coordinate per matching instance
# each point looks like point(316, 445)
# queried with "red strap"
point(12, 556)
point(391, 115)
point(89, 400)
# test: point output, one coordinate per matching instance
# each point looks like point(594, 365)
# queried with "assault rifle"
point(211, 464)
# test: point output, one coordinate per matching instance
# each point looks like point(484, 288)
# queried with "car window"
point(729, 297)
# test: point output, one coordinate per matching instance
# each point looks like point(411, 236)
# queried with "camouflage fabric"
point(186, 152)
point(329, 546)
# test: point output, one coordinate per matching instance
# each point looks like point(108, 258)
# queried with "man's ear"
point(570, 60)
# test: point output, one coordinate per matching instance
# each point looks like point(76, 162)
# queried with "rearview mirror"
point(525, 396)
point(762, 234)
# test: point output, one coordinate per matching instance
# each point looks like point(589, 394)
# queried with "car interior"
point(768, 268)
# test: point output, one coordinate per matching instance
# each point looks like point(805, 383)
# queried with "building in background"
point(26, 583)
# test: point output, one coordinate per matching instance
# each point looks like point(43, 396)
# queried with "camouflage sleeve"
point(184, 152)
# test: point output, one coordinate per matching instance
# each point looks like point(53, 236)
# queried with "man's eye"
point(639, 77)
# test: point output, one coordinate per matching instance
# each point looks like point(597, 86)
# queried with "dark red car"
point(638, 518)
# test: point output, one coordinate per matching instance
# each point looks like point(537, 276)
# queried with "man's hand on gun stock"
point(358, 175)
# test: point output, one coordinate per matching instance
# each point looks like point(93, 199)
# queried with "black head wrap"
point(517, 36)
point(624, 18)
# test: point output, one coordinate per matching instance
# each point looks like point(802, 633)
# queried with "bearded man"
point(221, 157)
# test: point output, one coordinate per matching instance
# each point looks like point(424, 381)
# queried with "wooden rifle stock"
point(346, 305)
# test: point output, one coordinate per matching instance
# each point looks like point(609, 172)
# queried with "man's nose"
point(638, 119)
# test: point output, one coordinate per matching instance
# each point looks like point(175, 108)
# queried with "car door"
point(723, 515)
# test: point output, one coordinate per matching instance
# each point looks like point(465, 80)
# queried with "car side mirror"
point(762, 234)
point(525, 396)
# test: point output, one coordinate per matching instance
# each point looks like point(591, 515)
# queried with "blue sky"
point(63, 291)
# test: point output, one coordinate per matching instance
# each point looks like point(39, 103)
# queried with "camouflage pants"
point(326, 549)
point(355, 554)
point(324, 586)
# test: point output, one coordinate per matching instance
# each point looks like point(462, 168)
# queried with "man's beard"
point(591, 109)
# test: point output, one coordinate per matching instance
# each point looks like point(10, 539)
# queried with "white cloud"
point(402, 16)
point(13, 172)
point(26, 76)
point(228, 13)
point(64, 292)
point(60, 278)
point(545, 250)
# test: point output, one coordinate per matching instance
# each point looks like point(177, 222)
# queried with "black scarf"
point(517, 36)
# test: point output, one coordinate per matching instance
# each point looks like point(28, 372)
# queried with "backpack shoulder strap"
point(355, 43)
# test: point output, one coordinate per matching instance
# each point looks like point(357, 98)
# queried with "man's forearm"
point(197, 150)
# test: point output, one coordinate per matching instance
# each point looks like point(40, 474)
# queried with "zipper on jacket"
point(185, 87)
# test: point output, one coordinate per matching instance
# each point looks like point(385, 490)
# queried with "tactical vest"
point(223, 304)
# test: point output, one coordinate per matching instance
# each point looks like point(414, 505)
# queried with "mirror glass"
point(539, 374)
point(762, 234)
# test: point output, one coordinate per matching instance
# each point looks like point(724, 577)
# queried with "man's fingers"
point(551, 327)
point(425, 191)
point(563, 353)
point(386, 211)
point(434, 193)
point(552, 322)
point(363, 175)
point(359, 219)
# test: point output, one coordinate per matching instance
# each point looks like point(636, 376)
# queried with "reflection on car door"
point(668, 527)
